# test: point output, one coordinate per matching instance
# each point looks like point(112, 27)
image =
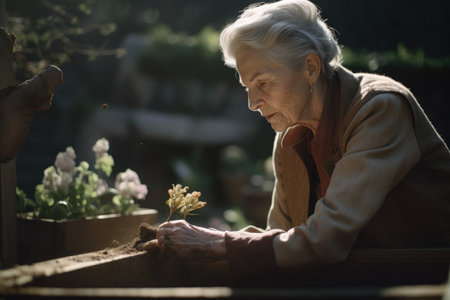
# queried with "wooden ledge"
point(403, 292)
point(23, 275)
point(127, 273)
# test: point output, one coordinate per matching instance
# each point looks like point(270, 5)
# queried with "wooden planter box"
point(42, 239)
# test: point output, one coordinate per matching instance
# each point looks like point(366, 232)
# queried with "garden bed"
point(42, 239)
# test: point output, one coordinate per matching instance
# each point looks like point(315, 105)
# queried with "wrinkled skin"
point(183, 240)
point(19, 103)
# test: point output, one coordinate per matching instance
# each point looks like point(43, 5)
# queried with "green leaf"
point(21, 199)
point(116, 200)
point(60, 210)
point(104, 163)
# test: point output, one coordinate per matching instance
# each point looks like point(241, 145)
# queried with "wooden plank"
point(42, 239)
point(8, 239)
point(397, 292)
point(8, 228)
point(25, 274)
point(124, 266)
point(115, 267)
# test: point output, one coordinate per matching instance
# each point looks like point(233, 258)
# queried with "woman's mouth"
point(268, 117)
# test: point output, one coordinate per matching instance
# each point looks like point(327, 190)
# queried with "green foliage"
point(24, 204)
point(53, 31)
point(400, 58)
point(67, 196)
point(69, 191)
point(178, 54)
point(104, 163)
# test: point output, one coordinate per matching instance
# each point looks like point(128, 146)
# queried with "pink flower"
point(101, 147)
point(101, 186)
point(129, 185)
point(65, 161)
point(51, 180)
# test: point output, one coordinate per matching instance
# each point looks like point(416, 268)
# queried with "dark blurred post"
point(8, 228)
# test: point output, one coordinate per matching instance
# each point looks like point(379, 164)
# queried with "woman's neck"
point(313, 112)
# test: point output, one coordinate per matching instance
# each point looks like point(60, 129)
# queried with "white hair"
point(286, 30)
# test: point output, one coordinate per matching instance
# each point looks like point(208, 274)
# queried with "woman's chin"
point(277, 127)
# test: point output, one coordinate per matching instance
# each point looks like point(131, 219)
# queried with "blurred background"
point(148, 76)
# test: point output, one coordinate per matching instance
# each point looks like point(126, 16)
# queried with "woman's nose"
point(254, 102)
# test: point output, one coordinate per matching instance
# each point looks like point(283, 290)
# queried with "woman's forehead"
point(252, 64)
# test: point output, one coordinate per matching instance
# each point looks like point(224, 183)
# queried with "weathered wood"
point(42, 239)
point(125, 267)
point(2, 14)
point(400, 292)
point(123, 272)
point(8, 228)
point(8, 240)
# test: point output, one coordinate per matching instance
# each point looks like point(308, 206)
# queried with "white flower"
point(129, 185)
point(101, 147)
point(101, 186)
point(65, 161)
point(66, 180)
point(51, 180)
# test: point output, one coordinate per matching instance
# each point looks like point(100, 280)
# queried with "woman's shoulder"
point(375, 83)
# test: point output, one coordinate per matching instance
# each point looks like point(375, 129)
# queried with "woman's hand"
point(183, 240)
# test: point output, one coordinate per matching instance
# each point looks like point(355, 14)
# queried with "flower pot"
point(41, 239)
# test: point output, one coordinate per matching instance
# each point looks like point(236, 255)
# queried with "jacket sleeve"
point(380, 148)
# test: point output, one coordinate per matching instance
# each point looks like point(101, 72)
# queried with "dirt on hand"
point(147, 238)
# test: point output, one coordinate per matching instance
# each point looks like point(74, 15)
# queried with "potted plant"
point(75, 210)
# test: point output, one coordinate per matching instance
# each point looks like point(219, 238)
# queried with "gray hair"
point(286, 30)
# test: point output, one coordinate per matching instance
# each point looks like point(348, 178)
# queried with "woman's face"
point(280, 94)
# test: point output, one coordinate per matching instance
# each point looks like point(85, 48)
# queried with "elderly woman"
point(357, 162)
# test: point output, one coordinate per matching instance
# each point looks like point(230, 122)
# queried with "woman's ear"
point(313, 67)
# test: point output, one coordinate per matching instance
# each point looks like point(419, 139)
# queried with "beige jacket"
point(390, 180)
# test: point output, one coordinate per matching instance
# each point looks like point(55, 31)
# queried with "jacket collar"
point(343, 87)
point(350, 85)
point(332, 114)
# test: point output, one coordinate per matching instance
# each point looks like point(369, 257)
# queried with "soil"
point(22, 274)
point(147, 233)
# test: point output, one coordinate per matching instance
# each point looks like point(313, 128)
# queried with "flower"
point(66, 180)
point(70, 191)
point(65, 161)
point(100, 147)
point(103, 161)
point(101, 186)
point(51, 180)
point(129, 185)
point(191, 203)
point(182, 202)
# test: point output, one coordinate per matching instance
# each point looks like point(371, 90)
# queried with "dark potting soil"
point(147, 233)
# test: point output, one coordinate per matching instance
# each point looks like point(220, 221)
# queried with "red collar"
point(326, 129)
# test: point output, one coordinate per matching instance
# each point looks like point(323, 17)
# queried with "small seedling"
point(182, 201)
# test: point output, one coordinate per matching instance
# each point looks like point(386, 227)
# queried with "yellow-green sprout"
point(182, 202)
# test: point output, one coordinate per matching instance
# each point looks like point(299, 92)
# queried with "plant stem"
point(168, 218)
